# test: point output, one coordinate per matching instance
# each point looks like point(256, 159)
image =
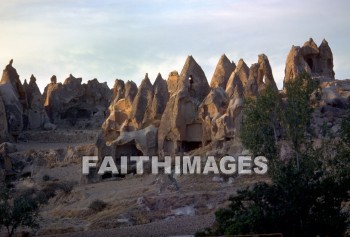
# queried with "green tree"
point(307, 191)
point(298, 111)
point(17, 212)
point(261, 122)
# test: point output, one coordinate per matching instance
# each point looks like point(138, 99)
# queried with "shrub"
point(98, 205)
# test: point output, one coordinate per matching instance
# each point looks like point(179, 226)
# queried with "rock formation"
point(142, 101)
point(14, 99)
point(173, 81)
point(318, 61)
point(130, 92)
point(193, 79)
point(222, 72)
point(212, 108)
point(118, 90)
point(11, 76)
point(72, 101)
point(37, 117)
point(180, 128)
point(3, 122)
point(160, 98)
point(119, 111)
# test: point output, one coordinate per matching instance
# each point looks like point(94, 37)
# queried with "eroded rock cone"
point(37, 116)
point(141, 102)
point(193, 79)
point(180, 127)
point(14, 99)
point(242, 70)
point(160, 98)
point(10, 75)
point(222, 72)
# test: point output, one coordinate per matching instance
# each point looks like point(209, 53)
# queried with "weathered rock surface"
point(193, 79)
point(118, 90)
point(3, 122)
point(36, 113)
point(72, 101)
point(14, 99)
point(142, 101)
point(173, 81)
point(212, 108)
point(180, 128)
point(145, 140)
point(318, 61)
point(160, 98)
point(222, 72)
point(11, 76)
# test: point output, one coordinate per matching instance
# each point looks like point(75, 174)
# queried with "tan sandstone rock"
point(142, 101)
point(160, 98)
point(318, 61)
point(73, 102)
point(180, 128)
point(222, 72)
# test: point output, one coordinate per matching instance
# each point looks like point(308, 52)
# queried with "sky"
point(125, 39)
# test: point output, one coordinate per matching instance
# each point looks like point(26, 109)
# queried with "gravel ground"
point(179, 226)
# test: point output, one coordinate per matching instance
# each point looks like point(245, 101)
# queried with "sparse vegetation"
point(17, 211)
point(98, 205)
point(51, 188)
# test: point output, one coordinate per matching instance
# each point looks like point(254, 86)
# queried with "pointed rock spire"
point(223, 71)
point(193, 79)
point(142, 100)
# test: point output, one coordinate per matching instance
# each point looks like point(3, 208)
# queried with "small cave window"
point(190, 78)
point(310, 62)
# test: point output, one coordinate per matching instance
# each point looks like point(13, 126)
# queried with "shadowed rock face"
point(318, 61)
point(73, 101)
point(160, 98)
point(37, 116)
point(142, 101)
point(130, 92)
point(3, 122)
point(11, 76)
point(14, 99)
point(222, 72)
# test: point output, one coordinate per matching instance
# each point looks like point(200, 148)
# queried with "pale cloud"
point(125, 39)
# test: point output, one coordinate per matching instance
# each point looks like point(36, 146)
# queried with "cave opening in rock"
point(310, 62)
point(189, 146)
